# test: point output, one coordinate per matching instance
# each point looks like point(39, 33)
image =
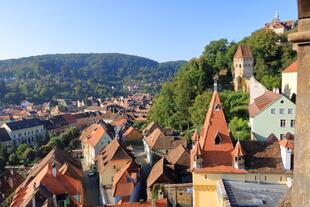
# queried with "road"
point(91, 189)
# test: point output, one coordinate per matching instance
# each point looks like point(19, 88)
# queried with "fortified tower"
point(243, 65)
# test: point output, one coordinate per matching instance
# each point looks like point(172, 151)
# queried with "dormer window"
point(218, 139)
point(217, 107)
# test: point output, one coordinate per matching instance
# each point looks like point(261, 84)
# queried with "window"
point(282, 111)
point(293, 123)
point(290, 111)
point(128, 179)
point(273, 111)
point(282, 136)
point(282, 123)
point(280, 178)
point(217, 107)
point(265, 178)
point(218, 139)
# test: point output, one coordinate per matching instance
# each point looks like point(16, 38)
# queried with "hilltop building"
point(224, 170)
point(243, 64)
point(278, 26)
point(289, 81)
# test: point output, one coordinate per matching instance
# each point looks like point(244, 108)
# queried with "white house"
point(93, 140)
point(25, 131)
point(289, 80)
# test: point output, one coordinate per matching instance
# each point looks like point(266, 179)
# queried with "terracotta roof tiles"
point(243, 51)
point(291, 68)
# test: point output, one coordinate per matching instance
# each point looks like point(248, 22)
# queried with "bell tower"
point(243, 68)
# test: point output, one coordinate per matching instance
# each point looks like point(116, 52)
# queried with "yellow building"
point(216, 158)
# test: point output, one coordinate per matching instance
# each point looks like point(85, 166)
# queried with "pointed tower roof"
point(243, 51)
point(238, 151)
point(216, 154)
point(195, 136)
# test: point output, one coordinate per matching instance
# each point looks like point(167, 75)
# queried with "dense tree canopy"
point(41, 78)
point(183, 102)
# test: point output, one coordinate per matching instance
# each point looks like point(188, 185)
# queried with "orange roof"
point(217, 157)
point(243, 51)
point(160, 173)
point(238, 151)
point(93, 134)
point(125, 180)
point(120, 122)
point(179, 156)
point(291, 68)
point(56, 185)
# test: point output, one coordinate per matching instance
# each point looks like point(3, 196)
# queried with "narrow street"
point(91, 188)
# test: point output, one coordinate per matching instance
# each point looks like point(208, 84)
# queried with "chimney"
point(54, 170)
point(33, 195)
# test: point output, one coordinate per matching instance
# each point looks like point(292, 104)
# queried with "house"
point(217, 156)
point(25, 131)
point(85, 119)
point(109, 161)
point(50, 188)
point(127, 183)
point(5, 138)
point(54, 181)
point(161, 173)
point(278, 26)
point(149, 129)
point(243, 62)
point(9, 181)
point(289, 81)
point(93, 140)
point(276, 110)
point(158, 144)
point(132, 135)
point(60, 123)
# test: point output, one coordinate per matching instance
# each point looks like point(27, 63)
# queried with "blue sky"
point(159, 29)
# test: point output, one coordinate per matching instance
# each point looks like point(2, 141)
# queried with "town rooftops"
point(149, 129)
point(292, 68)
point(161, 172)
point(57, 184)
point(93, 134)
point(262, 102)
point(262, 157)
point(125, 180)
point(4, 136)
point(179, 156)
point(158, 141)
point(241, 193)
point(243, 51)
point(23, 124)
point(158, 203)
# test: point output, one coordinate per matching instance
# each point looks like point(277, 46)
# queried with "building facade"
point(243, 68)
point(289, 80)
point(275, 111)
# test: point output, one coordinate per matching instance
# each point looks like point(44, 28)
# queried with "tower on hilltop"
point(243, 65)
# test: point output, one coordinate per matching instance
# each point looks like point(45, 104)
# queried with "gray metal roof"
point(250, 194)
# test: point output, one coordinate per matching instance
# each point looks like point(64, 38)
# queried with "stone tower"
point(243, 65)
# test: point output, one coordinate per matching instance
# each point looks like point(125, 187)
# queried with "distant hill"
point(40, 78)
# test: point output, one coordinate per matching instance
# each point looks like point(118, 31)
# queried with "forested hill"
point(40, 78)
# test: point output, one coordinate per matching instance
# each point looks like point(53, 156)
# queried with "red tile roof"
point(58, 185)
point(161, 173)
point(216, 157)
point(179, 156)
point(243, 51)
point(291, 68)
point(262, 102)
point(93, 134)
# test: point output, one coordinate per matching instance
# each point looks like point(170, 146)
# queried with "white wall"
point(289, 81)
